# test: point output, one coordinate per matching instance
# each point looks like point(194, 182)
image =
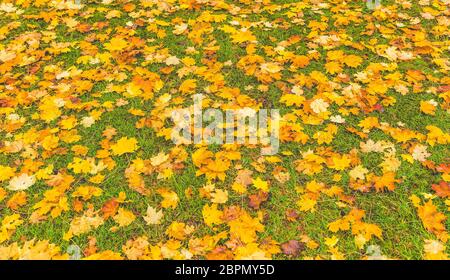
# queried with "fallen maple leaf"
point(124, 145)
point(292, 248)
point(255, 200)
point(442, 189)
point(152, 216)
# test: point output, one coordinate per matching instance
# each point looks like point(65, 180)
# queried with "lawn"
point(88, 169)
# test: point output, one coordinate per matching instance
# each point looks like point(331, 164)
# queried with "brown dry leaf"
point(255, 200)
point(292, 248)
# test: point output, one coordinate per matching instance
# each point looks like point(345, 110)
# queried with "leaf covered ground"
point(86, 159)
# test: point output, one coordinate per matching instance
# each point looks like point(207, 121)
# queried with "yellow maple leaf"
point(387, 180)
point(83, 224)
point(170, 198)
point(79, 165)
point(6, 172)
point(331, 241)
point(333, 67)
point(219, 196)
point(243, 36)
point(179, 230)
point(260, 184)
point(124, 217)
point(239, 188)
point(369, 123)
point(152, 216)
point(358, 172)
point(17, 200)
point(352, 60)
point(433, 220)
point(50, 142)
point(340, 162)
point(158, 159)
point(245, 227)
point(188, 86)
point(428, 107)
point(8, 226)
point(306, 203)
point(124, 145)
point(87, 192)
point(211, 215)
point(116, 44)
point(292, 99)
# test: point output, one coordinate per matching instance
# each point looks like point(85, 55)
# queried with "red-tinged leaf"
point(442, 189)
